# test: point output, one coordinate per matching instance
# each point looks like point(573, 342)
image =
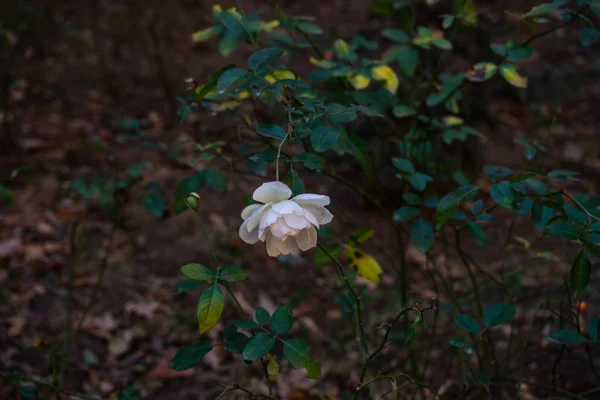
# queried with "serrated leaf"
point(511, 75)
point(497, 314)
point(232, 273)
point(467, 323)
point(324, 137)
point(422, 236)
point(309, 160)
point(282, 321)
point(580, 272)
point(262, 57)
point(272, 131)
point(228, 78)
point(296, 352)
point(406, 213)
point(190, 356)
point(258, 346)
point(197, 272)
point(566, 336)
point(210, 308)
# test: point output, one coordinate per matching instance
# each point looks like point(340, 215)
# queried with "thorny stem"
point(69, 323)
point(363, 340)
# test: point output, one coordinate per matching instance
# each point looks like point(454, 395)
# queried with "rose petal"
point(307, 238)
point(321, 214)
point(310, 199)
point(272, 244)
point(287, 207)
point(267, 219)
point(288, 246)
point(247, 236)
point(272, 192)
point(280, 229)
point(296, 221)
point(247, 212)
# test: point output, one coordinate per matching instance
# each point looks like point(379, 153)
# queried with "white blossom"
point(285, 225)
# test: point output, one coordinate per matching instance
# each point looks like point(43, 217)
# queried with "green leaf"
point(245, 324)
point(215, 179)
point(273, 367)
point(258, 346)
point(323, 259)
point(205, 34)
point(544, 8)
point(210, 308)
point(580, 272)
point(442, 43)
point(309, 160)
point(155, 203)
point(520, 53)
point(419, 181)
point(232, 273)
point(185, 284)
point(402, 111)
point(403, 165)
point(313, 369)
point(477, 234)
point(343, 51)
point(495, 172)
point(479, 379)
point(296, 352)
point(262, 57)
point(510, 74)
point(482, 71)
point(448, 204)
point(197, 272)
point(594, 329)
point(588, 36)
point(412, 199)
point(457, 342)
point(324, 137)
point(262, 316)
point(467, 323)
point(497, 314)
point(228, 78)
point(565, 229)
point(421, 234)
point(7, 196)
point(272, 131)
point(359, 150)
point(395, 35)
point(190, 356)
point(282, 320)
point(309, 28)
point(504, 194)
point(362, 235)
point(295, 183)
point(188, 185)
point(406, 213)
point(228, 42)
point(566, 336)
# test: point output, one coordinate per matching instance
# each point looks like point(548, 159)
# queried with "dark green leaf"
point(412, 199)
point(309, 160)
point(479, 379)
point(477, 234)
point(190, 356)
point(588, 36)
point(155, 203)
point(402, 111)
point(324, 137)
point(234, 340)
point(396, 35)
point(295, 183)
point(262, 316)
point(566, 336)
point(497, 314)
point(258, 346)
point(245, 324)
point(228, 78)
point(215, 179)
point(419, 181)
point(262, 57)
point(580, 272)
point(197, 272)
point(282, 320)
point(272, 131)
point(495, 172)
point(403, 165)
point(210, 308)
point(448, 204)
point(504, 195)
point(406, 213)
point(594, 329)
point(309, 28)
point(187, 284)
point(296, 352)
point(467, 323)
point(232, 273)
point(565, 229)
point(421, 234)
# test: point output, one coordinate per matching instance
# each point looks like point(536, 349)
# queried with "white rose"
point(286, 225)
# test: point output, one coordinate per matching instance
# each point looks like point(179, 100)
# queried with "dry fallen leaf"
point(146, 310)
point(17, 324)
point(9, 247)
point(118, 345)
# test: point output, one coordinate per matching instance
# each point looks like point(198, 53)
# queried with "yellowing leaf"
point(284, 74)
point(217, 8)
point(481, 72)
point(364, 265)
point(207, 33)
point(386, 74)
point(325, 64)
point(342, 49)
point(510, 74)
point(242, 95)
point(270, 78)
point(452, 120)
point(469, 11)
point(360, 81)
point(268, 26)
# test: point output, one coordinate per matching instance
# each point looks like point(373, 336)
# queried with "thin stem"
point(100, 279)
point(252, 394)
point(359, 317)
point(287, 134)
point(46, 385)
point(69, 306)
